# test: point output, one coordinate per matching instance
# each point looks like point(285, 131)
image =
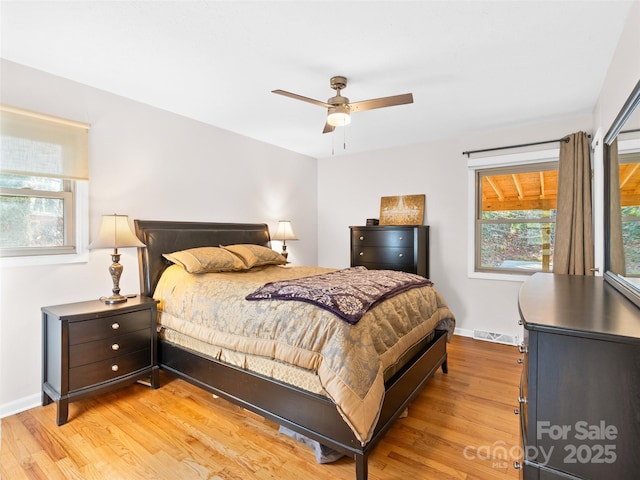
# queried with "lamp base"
point(113, 299)
point(115, 270)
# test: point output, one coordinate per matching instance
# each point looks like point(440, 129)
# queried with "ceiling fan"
point(339, 108)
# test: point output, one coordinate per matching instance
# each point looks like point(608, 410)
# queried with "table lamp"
point(115, 232)
point(284, 232)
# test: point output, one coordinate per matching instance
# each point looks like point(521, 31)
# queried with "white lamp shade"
point(284, 231)
point(115, 232)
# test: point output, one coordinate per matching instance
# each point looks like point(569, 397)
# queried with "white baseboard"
point(463, 332)
point(20, 405)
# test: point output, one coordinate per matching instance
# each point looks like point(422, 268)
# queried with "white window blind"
point(35, 144)
point(44, 173)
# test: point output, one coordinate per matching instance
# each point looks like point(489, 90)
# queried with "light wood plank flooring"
point(462, 426)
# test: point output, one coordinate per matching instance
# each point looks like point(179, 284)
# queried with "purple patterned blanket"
point(347, 293)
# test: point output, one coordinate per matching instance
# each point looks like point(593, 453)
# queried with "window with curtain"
point(515, 218)
point(43, 164)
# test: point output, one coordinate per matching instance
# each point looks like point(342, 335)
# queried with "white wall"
point(623, 73)
point(149, 164)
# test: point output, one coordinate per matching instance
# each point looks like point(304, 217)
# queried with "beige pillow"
point(206, 259)
point(256, 255)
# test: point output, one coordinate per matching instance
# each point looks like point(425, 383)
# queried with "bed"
point(317, 411)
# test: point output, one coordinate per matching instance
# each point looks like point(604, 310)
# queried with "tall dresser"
point(580, 387)
point(404, 248)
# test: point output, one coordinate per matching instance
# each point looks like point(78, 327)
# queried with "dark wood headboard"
point(166, 236)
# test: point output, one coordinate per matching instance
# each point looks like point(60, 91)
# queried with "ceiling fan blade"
point(300, 97)
point(328, 128)
point(381, 102)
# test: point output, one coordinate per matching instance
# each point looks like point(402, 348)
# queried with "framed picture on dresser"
point(402, 210)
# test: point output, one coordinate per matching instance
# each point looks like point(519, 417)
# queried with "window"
point(43, 178)
point(629, 165)
point(515, 224)
point(512, 210)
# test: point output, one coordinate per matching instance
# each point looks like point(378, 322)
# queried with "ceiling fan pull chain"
point(333, 141)
point(344, 138)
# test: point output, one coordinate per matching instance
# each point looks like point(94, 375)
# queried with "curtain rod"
point(630, 131)
point(563, 139)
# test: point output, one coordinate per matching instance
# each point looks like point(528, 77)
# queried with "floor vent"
point(495, 337)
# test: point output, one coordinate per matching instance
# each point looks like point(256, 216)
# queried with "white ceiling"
point(471, 66)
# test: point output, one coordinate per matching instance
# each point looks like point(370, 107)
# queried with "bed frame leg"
point(361, 466)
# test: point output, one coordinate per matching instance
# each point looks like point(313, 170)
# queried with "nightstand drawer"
point(109, 369)
point(90, 352)
point(386, 238)
point(393, 256)
point(90, 330)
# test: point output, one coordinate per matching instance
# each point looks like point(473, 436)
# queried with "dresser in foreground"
point(91, 348)
point(579, 402)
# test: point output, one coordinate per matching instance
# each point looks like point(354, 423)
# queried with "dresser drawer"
point(385, 238)
point(90, 330)
point(109, 369)
point(390, 266)
point(90, 352)
point(383, 255)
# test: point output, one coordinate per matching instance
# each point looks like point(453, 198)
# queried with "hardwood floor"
point(461, 426)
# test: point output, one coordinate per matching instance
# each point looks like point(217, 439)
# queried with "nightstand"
point(91, 348)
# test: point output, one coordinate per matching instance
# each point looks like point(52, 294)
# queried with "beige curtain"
point(573, 249)
point(616, 251)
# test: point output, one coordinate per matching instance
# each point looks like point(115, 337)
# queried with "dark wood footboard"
point(308, 414)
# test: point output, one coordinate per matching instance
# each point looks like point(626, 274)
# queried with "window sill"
point(38, 260)
point(510, 277)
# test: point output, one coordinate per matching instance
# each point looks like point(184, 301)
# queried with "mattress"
point(301, 378)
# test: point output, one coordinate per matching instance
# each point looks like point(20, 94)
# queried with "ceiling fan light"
point(339, 116)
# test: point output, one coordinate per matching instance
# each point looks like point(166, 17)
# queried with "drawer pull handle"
point(115, 346)
point(361, 237)
point(114, 368)
point(517, 465)
point(115, 325)
point(401, 254)
point(522, 400)
point(361, 253)
point(522, 349)
point(520, 361)
point(401, 238)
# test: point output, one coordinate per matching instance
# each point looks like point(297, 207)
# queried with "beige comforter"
point(350, 360)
